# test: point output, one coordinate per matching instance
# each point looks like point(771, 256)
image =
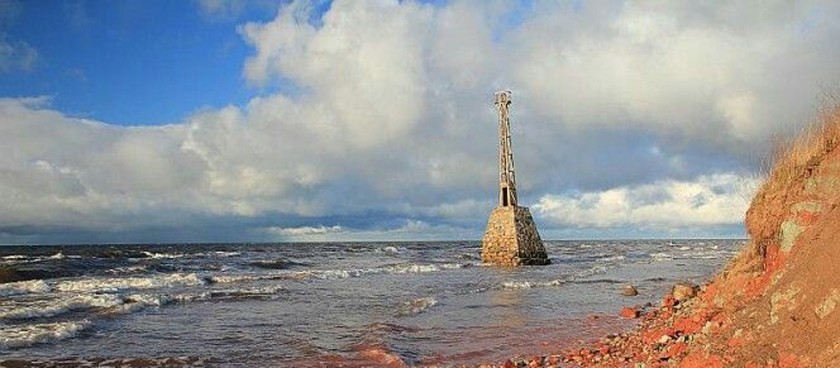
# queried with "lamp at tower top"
point(502, 98)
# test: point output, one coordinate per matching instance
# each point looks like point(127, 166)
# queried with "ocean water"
point(323, 304)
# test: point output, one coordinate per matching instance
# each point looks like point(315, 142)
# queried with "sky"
point(261, 121)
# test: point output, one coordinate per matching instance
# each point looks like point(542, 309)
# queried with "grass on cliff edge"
point(793, 157)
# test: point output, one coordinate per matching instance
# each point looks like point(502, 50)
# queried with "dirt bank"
point(776, 303)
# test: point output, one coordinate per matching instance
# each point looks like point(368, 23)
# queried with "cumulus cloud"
point(708, 73)
point(303, 231)
point(622, 115)
point(718, 199)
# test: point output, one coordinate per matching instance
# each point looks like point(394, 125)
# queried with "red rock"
point(629, 313)
point(698, 360)
point(652, 336)
point(604, 349)
point(509, 364)
point(669, 301)
point(688, 326)
point(676, 349)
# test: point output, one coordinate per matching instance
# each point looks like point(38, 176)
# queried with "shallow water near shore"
point(301, 304)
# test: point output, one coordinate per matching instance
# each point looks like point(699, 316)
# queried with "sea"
point(324, 304)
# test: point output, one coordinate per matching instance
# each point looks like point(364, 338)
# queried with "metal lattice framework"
point(507, 176)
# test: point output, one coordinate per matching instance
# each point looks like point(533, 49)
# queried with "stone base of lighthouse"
point(512, 239)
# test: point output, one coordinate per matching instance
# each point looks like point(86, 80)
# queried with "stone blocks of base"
point(512, 238)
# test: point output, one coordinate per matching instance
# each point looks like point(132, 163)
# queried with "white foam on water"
point(139, 301)
point(127, 269)
point(163, 255)
point(190, 297)
point(703, 255)
point(228, 279)
point(413, 268)
point(115, 284)
point(225, 254)
point(594, 270)
point(17, 259)
point(612, 259)
point(54, 307)
point(58, 255)
point(388, 249)
point(148, 299)
point(359, 272)
point(517, 285)
point(422, 268)
point(340, 274)
point(27, 335)
point(661, 256)
point(418, 305)
point(24, 287)
point(531, 284)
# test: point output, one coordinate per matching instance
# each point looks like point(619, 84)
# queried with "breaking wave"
point(333, 274)
point(116, 284)
point(27, 335)
point(531, 284)
point(153, 255)
point(50, 308)
point(24, 287)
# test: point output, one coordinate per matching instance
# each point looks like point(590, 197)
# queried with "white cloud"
point(303, 231)
point(713, 73)
point(363, 69)
point(718, 199)
point(634, 105)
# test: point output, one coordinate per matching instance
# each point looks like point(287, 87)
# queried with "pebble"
point(684, 291)
point(629, 290)
point(629, 313)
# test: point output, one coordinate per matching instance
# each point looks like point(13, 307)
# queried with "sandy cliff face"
point(781, 292)
point(777, 304)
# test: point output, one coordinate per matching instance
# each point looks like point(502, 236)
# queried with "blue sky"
point(216, 120)
point(132, 62)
